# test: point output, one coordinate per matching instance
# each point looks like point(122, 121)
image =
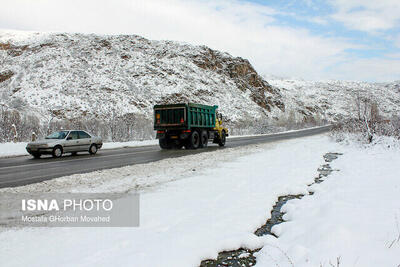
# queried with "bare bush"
point(264, 125)
point(368, 122)
point(18, 127)
point(15, 127)
point(291, 121)
point(133, 126)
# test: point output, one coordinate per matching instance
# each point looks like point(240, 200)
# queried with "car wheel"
point(36, 155)
point(93, 149)
point(57, 151)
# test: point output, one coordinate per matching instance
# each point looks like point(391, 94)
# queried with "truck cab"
point(219, 127)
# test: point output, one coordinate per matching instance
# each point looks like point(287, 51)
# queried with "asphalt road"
point(24, 170)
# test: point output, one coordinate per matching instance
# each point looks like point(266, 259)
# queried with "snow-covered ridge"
point(336, 100)
point(71, 76)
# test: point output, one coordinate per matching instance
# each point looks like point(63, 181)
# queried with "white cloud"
point(393, 55)
point(368, 68)
point(367, 15)
point(317, 20)
point(397, 41)
point(242, 29)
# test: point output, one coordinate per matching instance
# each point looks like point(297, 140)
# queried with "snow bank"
point(190, 209)
point(112, 145)
point(360, 140)
point(13, 149)
point(353, 218)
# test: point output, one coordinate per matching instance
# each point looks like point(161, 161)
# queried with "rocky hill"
point(336, 100)
point(75, 77)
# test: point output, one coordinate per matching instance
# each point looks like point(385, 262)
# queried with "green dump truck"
point(188, 125)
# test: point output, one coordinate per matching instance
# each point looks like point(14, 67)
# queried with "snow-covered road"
point(191, 210)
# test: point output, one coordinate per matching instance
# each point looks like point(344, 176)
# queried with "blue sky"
point(316, 16)
point(310, 39)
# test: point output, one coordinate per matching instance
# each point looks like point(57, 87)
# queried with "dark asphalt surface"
point(24, 170)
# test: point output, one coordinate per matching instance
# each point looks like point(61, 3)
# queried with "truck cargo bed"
point(184, 116)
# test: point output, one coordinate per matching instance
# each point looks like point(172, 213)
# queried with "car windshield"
point(57, 135)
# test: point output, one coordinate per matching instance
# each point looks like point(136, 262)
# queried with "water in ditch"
point(245, 257)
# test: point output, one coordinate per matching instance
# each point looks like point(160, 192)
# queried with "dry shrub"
point(18, 127)
point(368, 122)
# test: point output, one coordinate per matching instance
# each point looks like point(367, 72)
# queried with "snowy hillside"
point(336, 100)
point(71, 76)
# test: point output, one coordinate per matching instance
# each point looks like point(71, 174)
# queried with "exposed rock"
point(243, 74)
point(6, 75)
point(13, 50)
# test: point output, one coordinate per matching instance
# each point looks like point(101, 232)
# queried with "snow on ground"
point(191, 208)
point(196, 206)
point(353, 217)
point(13, 149)
point(112, 145)
point(18, 149)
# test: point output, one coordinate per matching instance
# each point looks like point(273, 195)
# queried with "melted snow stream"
point(245, 257)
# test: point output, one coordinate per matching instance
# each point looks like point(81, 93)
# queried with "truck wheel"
point(57, 152)
point(203, 139)
point(164, 143)
point(222, 140)
point(194, 140)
